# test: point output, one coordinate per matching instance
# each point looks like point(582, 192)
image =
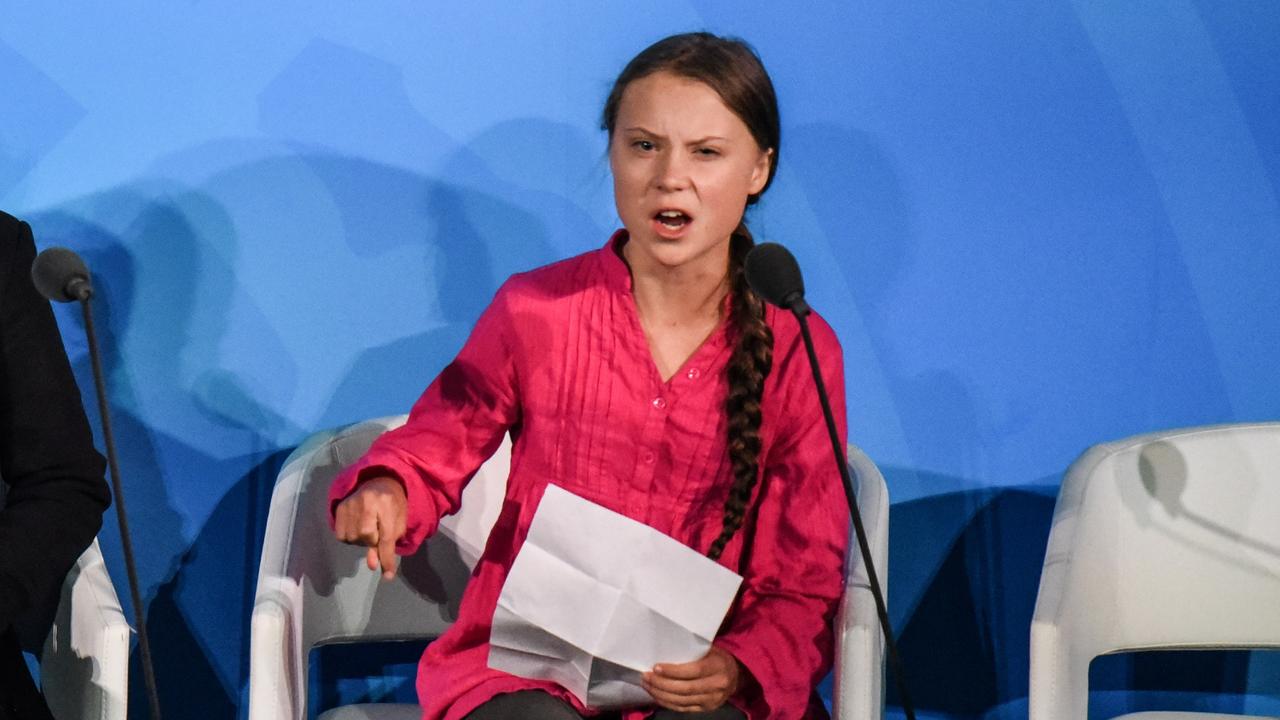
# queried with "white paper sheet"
point(595, 599)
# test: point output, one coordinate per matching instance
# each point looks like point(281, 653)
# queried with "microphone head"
point(61, 276)
point(774, 275)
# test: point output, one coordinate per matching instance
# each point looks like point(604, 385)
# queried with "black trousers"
point(537, 705)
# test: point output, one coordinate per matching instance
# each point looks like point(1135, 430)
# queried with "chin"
point(673, 253)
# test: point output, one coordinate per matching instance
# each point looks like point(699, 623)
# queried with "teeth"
point(671, 213)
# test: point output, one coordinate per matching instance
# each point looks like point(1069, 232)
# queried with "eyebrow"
point(651, 133)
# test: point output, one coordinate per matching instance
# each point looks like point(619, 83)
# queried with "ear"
point(760, 173)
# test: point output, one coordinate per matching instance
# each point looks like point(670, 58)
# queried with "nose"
point(672, 172)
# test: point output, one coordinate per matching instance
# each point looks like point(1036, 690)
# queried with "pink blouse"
point(560, 360)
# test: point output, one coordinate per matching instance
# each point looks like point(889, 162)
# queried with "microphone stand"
point(83, 294)
point(800, 309)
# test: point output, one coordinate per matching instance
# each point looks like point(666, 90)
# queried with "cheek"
point(730, 191)
point(628, 195)
point(625, 192)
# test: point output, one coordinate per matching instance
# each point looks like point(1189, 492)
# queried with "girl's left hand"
point(698, 686)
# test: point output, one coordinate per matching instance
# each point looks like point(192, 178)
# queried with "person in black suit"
point(51, 478)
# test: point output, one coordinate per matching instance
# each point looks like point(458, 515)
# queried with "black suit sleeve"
point(56, 493)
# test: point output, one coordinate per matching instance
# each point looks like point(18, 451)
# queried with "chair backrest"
point(1168, 540)
point(858, 692)
point(341, 599)
point(84, 665)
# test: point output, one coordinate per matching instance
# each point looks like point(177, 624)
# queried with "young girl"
point(646, 377)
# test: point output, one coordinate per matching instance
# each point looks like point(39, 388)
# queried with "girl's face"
point(683, 166)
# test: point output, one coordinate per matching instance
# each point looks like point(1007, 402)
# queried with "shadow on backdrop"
point(477, 238)
point(146, 332)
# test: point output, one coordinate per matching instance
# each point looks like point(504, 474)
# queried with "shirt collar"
point(617, 274)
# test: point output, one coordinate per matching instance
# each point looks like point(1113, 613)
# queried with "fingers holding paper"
point(374, 516)
point(699, 686)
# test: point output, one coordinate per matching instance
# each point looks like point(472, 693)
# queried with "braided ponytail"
point(748, 367)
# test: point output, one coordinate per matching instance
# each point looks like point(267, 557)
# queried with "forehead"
point(672, 104)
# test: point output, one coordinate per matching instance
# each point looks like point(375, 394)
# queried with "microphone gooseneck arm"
point(126, 542)
point(60, 275)
point(774, 275)
point(895, 662)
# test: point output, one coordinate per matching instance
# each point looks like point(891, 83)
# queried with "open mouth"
point(673, 219)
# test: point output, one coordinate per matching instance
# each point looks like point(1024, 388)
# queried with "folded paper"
point(595, 599)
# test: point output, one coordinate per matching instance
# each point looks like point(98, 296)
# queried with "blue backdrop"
point(1034, 226)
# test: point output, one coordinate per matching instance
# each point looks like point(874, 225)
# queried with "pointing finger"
point(387, 555)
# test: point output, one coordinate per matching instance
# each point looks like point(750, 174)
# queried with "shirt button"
point(694, 373)
point(648, 457)
point(659, 403)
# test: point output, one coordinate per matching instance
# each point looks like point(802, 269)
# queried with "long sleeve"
point(56, 493)
point(793, 574)
point(457, 423)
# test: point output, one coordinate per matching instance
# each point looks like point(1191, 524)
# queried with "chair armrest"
point(1060, 651)
point(858, 692)
point(276, 661)
point(84, 666)
point(1059, 678)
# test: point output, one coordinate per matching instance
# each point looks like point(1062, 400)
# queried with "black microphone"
point(772, 272)
point(61, 276)
point(774, 275)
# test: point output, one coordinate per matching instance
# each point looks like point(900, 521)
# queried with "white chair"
point(84, 666)
point(1162, 541)
point(312, 590)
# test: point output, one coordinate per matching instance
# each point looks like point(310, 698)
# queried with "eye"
point(643, 145)
point(707, 152)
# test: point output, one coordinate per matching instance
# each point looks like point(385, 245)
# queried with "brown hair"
point(731, 68)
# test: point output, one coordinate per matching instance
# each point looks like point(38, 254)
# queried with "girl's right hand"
point(374, 516)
